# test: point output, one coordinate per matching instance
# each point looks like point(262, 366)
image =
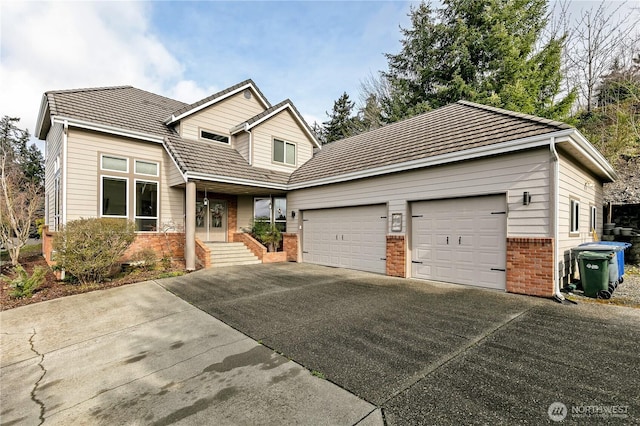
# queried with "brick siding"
point(396, 256)
point(530, 266)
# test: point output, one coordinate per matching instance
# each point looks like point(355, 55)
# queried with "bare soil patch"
point(52, 288)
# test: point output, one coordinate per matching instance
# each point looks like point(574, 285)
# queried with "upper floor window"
point(116, 164)
point(284, 152)
point(574, 211)
point(205, 134)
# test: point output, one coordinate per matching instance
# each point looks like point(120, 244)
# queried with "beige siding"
point(511, 174)
point(53, 149)
point(245, 212)
point(84, 148)
point(241, 143)
point(577, 183)
point(221, 117)
point(174, 177)
point(281, 126)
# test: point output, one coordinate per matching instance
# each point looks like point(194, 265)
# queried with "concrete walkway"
point(140, 355)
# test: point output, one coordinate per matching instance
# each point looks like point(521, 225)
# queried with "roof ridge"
point(516, 114)
point(89, 89)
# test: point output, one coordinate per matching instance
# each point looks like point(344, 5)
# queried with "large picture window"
point(146, 206)
point(114, 197)
point(284, 152)
point(272, 210)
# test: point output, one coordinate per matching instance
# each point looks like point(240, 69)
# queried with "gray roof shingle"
point(455, 127)
point(120, 106)
point(211, 158)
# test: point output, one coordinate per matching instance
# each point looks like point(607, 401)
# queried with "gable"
point(222, 116)
point(282, 126)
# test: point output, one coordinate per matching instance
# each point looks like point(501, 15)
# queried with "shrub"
point(267, 233)
point(90, 249)
point(145, 258)
point(40, 226)
point(24, 285)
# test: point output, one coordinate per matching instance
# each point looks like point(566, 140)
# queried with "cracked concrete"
point(139, 355)
point(34, 398)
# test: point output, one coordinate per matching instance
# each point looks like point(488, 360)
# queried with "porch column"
point(190, 227)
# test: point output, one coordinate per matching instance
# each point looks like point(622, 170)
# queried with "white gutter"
point(588, 150)
point(495, 149)
point(555, 215)
point(65, 143)
point(108, 129)
point(235, 181)
point(164, 145)
point(41, 113)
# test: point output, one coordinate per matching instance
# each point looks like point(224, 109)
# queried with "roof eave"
point(118, 131)
point(235, 181)
point(43, 114)
point(581, 143)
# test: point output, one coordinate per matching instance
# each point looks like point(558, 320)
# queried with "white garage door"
point(460, 241)
point(349, 237)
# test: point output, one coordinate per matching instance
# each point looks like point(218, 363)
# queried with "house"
point(466, 193)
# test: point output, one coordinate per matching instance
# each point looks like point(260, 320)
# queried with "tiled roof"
point(212, 158)
point(120, 106)
point(187, 108)
point(456, 127)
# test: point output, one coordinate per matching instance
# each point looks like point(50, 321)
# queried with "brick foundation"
point(47, 244)
point(396, 256)
point(530, 266)
point(203, 254)
point(290, 246)
point(169, 245)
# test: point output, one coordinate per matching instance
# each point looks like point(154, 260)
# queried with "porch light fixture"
point(526, 198)
point(293, 214)
point(205, 200)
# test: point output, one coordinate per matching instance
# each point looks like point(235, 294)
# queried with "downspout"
point(250, 147)
point(554, 217)
point(65, 136)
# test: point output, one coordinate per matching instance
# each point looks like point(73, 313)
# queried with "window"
point(593, 218)
point(114, 197)
point(272, 210)
point(575, 216)
point(204, 134)
point(115, 163)
point(146, 197)
point(284, 152)
point(146, 168)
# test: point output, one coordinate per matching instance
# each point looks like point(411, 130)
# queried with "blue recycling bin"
point(617, 246)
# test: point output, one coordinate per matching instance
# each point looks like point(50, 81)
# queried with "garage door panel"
point(476, 240)
point(350, 237)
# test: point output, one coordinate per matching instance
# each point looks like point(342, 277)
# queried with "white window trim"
point(114, 156)
point(200, 137)
point(593, 218)
point(135, 202)
point(101, 200)
point(273, 149)
point(136, 161)
point(574, 217)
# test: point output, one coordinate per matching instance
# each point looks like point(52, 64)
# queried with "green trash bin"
point(594, 271)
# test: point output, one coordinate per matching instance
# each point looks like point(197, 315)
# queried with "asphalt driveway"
point(430, 353)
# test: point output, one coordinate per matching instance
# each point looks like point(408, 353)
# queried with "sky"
point(308, 51)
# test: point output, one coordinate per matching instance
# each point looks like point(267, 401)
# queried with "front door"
point(211, 220)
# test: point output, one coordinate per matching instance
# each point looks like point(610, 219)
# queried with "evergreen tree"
point(14, 145)
point(479, 50)
point(341, 124)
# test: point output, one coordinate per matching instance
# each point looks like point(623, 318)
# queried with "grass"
point(26, 251)
point(318, 374)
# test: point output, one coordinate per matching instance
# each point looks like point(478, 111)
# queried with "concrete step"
point(229, 254)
